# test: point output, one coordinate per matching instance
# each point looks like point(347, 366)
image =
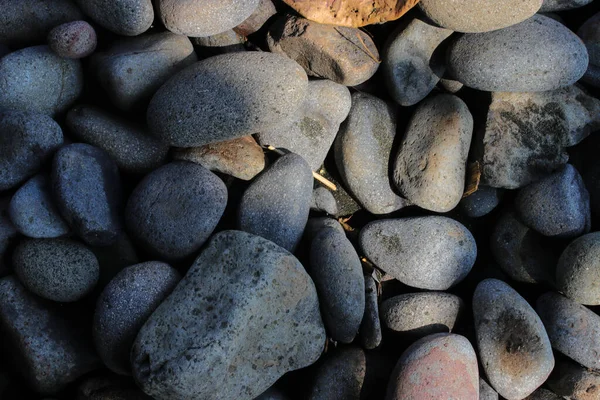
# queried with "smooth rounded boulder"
point(242, 94)
point(577, 273)
point(123, 17)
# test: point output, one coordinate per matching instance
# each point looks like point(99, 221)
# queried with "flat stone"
point(430, 252)
point(486, 392)
point(370, 327)
point(244, 93)
point(514, 348)
point(75, 39)
point(578, 270)
point(572, 381)
point(482, 202)
point(243, 293)
point(175, 209)
point(430, 167)
point(123, 17)
point(344, 55)
point(340, 376)
point(508, 60)
point(323, 201)
point(409, 67)
point(561, 5)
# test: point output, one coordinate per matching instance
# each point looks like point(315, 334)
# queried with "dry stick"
point(473, 178)
point(318, 177)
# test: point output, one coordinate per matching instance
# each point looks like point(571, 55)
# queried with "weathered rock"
point(27, 141)
point(133, 150)
point(430, 167)
point(123, 17)
point(527, 133)
point(578, 270)
point(431, 252)
point(244, 294)
point(344, 55)
point(52, 82)
point(362, 153)
point(437, 366)
point(276, 205)
point(175, 208)
point(340, 376)
point(486, 392)
point(370, 327)
point(560, 5)
point(507, 60)
point(312, 133)
point(573, 381)
point(263, 12)
point(75, 39)
point(513, 345)
point(410, 69)
point(243, 93)
point(133, 69)
point(482, 202)
point(323, 200)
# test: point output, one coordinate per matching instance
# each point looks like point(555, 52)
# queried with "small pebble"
point(123, 17)
point(370, 327)
point(323, 200)
point(482, 202)
point(315, 225)
point(340, 376)
point(75, 39)
point(578, 270)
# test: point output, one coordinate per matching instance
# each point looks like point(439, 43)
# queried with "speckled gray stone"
point(421, 314)
point(486, 392)
point(578, 270)
point(315, 225)
point(431, 252)
point(323, 200)
point(482, 202)
point(8, 233)
point(245, 294)
point(51, 349)
point(125, 305)
point(311, 135)
point(204, 18)
point(344, 55)
point(572, 381)
point(514, 348)
point(340, 376)
point(27, 141)
point(272, 394)
point(574, 330)
point(430, 167)
point(276, 204)
point(36, 79)
point(75, 39)
point(132, 69)
point(409, 68)
point(33, 212)
point(128, 144)
point(543, 394)
point(87, 190)
point(535, 55)
point(561, 5)
point(472, 16)
point(56, 269)
point(175, 208)
point(370, 327)
point(243, 93)
point(363, 150)
point(123, 17)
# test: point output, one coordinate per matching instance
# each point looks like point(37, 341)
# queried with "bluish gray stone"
point(316, 224)
point(370, 327)
point(323, 200)
point(578, 270)
point(340, 376)
point(482, 202)
point(123, 17)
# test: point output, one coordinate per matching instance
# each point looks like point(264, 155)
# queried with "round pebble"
point(482, 202)
point(123, 17)
point(578, 270)
point(75, 39)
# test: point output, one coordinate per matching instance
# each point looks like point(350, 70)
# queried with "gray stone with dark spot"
point(123, 17)
point(175, 209)
point(486, 392)
point(243, 293)
point(561, 5)
point(578, 270)
point(75, 39)
point(323, 200)
point(572, 381)
point(514, 348)
point(370, 327)
point(340, 376)
point(430, 252)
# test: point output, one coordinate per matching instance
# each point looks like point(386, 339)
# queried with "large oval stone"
point(577, 270)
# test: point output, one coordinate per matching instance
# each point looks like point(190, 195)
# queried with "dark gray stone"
point(340, 376)
point(75, 39)
point(323, 200)
point(315, 225)
point(243, 93)
point(87, 189)
point(175, 208)
point(114, 258)
point(27, 140)
point(370, 327)
point(263, 12)
point(33, 212)
point(486, 392)
point(125, 305)
point(514, 348)
point(245, 294)
point(431, 252)
point(572, 381)
point(482, 202)
point(561, 5)
point(123, 17)
point(578, 270)
point(276, 205)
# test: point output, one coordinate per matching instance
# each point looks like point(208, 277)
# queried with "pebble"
point(175, 208)
point(561, 5)
point(420, 314)
point(244, 93)
point(409, 66)
point(344, 55)
point(557, 206)
point(578, 270)
point(242, 292)
point(514, 348)
point(362, 152)
point(53, 83)
point(430, 167)
point(109, 388)
point(450, 85)
point(28, 140)
point(573, 381)
point(543, 394)
point(315, 225)
point(526, 134)
point(312, 133)
point(370, 327)
point(486, 392)
point(474, 16)
point(574, 330)
point(132, 69)
point(33, 212)
point(482, 202)
point(123, 17)
point(340, 376)
point(8, 233)
point(52, 348)
point(205, 18)
point(125, 305)
point(337, 273)
point(430, 252)
point(277, 203)
point(263, 12)
point(127, 143)
point(437, 366)
point(87, 190)
point(510, 59)
point(323, 201)
point(242, 158)
point(75, 39)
